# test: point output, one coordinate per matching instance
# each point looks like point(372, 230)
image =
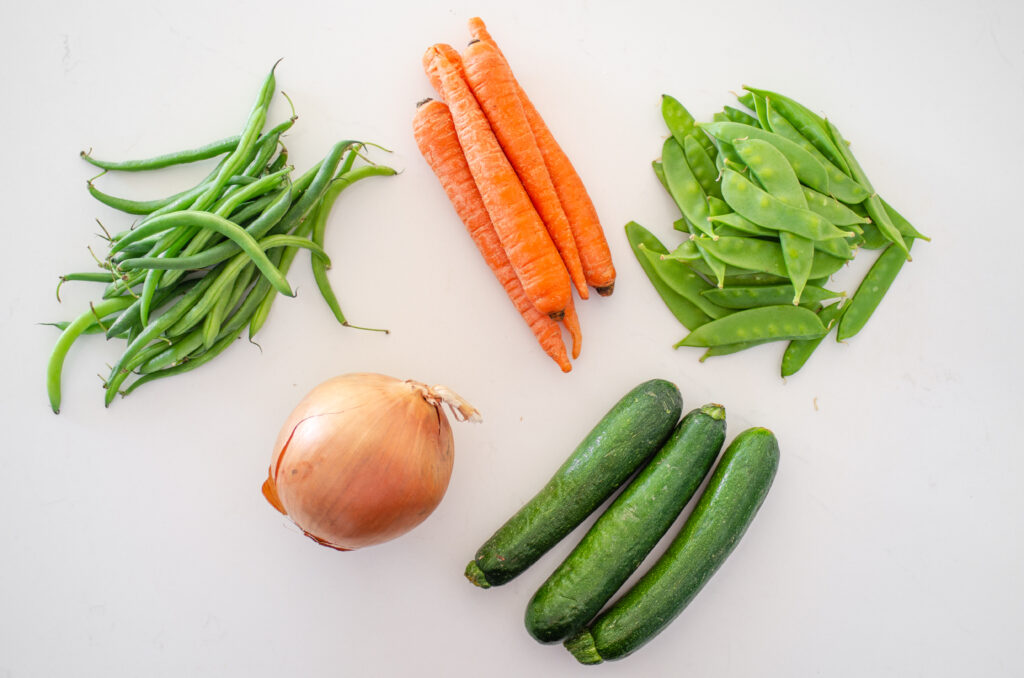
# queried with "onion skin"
point(362, 459)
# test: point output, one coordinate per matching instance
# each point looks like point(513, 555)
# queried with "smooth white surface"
point(135, 541)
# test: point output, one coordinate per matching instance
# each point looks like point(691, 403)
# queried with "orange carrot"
point(438, 142)
point(494, 87)
point(590, 240)
point(522, 233)
point(572, 323)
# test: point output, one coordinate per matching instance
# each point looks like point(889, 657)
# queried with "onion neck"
point(437, 394)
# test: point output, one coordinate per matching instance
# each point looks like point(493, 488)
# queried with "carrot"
point(572, 323)
point(522, 233)
point(439, 144)
point(494, 87)
point(590, 240)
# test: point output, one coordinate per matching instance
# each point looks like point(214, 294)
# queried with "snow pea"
point(767, 323)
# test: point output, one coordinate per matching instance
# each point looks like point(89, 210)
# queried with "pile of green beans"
point(773, 204)
point(205, 264)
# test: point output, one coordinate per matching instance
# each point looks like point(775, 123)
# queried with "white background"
point(134, 539)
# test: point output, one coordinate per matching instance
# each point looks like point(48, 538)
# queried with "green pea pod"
point(764, 256)
point(810, 125)
point(871, 290)
point(680, 123)
point(767, 323)
point(840, 184)
point(875, 209)
point(799, 350)
point(768, 211)
point(701, 164)
point(681, 278)
point(766, 295)
point(833, 210)
point(685, 311)
point(905, 228)
point(807, 167)
point(777, 177)
point(684, 187)
point(761, 111)
point(736, 115)
point(659, 171)
point(729, 349)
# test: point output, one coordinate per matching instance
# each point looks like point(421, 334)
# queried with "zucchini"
point(633, 430)
point(625, 533)
point(735, 492)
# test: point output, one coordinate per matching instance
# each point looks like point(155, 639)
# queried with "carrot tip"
point(557, 315)
point(424, 101)
point(606, 291)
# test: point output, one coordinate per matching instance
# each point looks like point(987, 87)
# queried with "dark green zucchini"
point(733, 496)
point(624, 534)
point(633, 430)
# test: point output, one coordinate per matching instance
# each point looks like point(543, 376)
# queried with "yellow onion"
point(364, 458)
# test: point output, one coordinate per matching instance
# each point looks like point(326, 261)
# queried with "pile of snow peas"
point(773, 204)
point(201, 266)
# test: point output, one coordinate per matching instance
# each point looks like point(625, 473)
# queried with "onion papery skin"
point(362, 459)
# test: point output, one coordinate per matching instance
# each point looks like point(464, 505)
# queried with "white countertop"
point(135, 540)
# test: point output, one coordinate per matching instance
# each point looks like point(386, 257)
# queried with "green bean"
point(123, 284)
point(213, 320)
point(702, 166)
point(228, 204)
point(222, 226)
point(871, 290)
point(808, 123)
point(766, 295)
point(767, 323)
point(224, 208)
point(229, 272)
point(799, 350)
point(873, 204)
point(209, 150)
point(222, 251)
point(808, 168)
point(681, 279)
point(736, 115)
point(132, 316)
point(64, 324)
point(766, 210)
point(310, 188)
point(319, 228)
point(684, 310)
point(840, 184)
point(279, 161)
point(189, 364)
point(240, 155)
point(140, 207)
point(75, 329)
